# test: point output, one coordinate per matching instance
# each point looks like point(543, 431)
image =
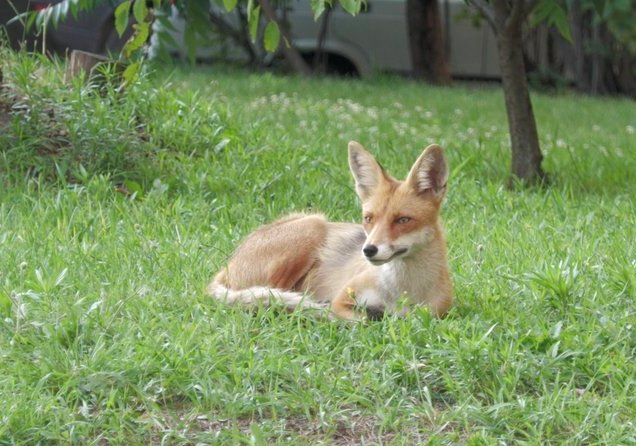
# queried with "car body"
point(376, 39)
point(92, 31)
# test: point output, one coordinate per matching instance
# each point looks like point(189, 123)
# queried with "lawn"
point(116, 208)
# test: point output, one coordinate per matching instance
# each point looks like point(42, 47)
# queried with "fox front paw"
point(375, 313)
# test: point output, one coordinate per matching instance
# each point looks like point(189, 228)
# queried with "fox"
point(394, 260)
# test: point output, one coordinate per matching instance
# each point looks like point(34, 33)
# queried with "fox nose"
point(370, 250)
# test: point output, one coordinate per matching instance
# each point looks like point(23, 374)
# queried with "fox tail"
point(255, 296)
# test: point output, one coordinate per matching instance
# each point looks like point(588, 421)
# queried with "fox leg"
point(343, 306)
point(361, 293)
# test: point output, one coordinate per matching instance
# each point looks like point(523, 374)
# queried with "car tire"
point(113, 42)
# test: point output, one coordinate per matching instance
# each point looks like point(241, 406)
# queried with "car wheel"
point(113, 42)
point(333, 64)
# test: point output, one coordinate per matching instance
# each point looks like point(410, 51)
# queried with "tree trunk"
point(626, 66)
point(320, 59)
point(82, 61)
point(524, 140)
point(578, 38)
point(426, 41)
point(290, 52)
point(239, 34)
point(597, 61)
point(507, 19)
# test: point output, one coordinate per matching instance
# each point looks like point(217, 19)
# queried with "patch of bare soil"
point(351, 429)
point(355, 430)
point(5, 115)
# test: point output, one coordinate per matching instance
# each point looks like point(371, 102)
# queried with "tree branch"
point(291, 53)
point(320, 60)
point(229, 30)
point(485, 10)
point(225, 27)
point(520, 10)
point(516, 13)
point(253, 49)
point(529, 6)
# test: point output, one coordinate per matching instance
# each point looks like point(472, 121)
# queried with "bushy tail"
point(255, 296)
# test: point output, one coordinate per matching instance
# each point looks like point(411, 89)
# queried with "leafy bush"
point(69, 130)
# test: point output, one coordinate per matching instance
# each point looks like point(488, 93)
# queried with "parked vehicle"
point(374, 40)
point(377, 38)
point(92, 31)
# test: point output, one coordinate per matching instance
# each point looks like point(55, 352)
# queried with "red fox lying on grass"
point(304, 261)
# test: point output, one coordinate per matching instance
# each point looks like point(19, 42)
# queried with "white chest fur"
point(400, 278)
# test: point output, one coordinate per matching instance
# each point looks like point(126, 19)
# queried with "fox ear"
point(365, 169)
point(430, 172)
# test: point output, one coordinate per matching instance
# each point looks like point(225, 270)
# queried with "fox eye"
point(403, 220)
point(368, 219)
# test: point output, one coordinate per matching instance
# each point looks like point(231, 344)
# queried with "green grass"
point(106, 336)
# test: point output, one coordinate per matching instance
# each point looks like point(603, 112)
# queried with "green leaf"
point(253, 22)
point(131, 72)
point(142, 32)
point(562, 24)
point(59, 12)
point(43, 17)
point(542, 11)
point(121, 17)
point(250, 8)
point(230, 4)
point(140, 10)
point(258, 437)
point(318, 7)
point(5, 304)
point(51, 14)
point(552, 13)
point(31, 18)
point(559, 18)
point(166, 23)
point(351, 6)
point(272, 37)
point(135, 188)
point(623, 5)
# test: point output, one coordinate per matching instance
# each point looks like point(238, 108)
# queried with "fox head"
point(399, 217)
